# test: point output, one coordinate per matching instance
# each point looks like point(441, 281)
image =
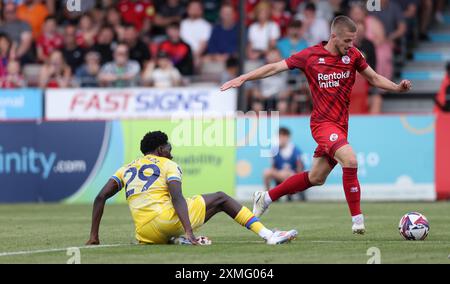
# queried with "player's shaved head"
point(343, 33)
point(343, 24)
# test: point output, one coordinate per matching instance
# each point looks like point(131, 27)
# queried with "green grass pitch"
point(324, 236)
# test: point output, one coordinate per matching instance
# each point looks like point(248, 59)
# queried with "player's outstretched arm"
point(180, 206)
point(382, 82)
point(259, 73)
point(110, 188)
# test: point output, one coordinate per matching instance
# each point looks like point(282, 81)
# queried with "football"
point(204, 241)
point(414, 226)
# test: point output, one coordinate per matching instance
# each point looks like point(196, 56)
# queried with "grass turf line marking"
point(59, 249)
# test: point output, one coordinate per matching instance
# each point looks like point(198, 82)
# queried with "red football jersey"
point(135, 12)
point(331, 78)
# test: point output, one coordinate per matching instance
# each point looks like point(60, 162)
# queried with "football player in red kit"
point(330, 68)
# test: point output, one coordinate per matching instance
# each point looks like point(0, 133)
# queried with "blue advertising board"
point(48, 161)
point(21, 104)
point(395, 157)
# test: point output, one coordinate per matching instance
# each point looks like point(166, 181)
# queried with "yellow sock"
point(246, 218)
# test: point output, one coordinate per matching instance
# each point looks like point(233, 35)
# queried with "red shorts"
point(329, 137)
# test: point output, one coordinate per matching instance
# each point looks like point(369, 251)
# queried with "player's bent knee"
point(222, 196)
point(317, 180)
point(351, 163)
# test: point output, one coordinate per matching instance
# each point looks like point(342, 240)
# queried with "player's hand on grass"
point(93, 241)
point(404, 86)
point(191, 237)
point(235, 83)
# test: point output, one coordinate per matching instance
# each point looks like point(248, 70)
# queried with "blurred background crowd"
point(169, 43)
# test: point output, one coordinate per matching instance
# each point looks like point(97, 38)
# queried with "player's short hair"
point(284, 131)
point(152, 140)
point(343, 22)
point(448, 67)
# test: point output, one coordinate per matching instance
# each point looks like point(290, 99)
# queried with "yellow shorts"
point(167, 224)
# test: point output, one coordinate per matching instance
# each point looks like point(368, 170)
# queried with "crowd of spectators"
point(166, 43)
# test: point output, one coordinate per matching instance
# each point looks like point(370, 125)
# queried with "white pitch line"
point(299, 240)
point(218, 242)
point(59, 249)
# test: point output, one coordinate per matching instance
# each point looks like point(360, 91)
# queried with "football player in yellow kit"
point(152, 185)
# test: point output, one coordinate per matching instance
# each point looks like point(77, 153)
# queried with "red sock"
point(291, 185)
point(352, 190)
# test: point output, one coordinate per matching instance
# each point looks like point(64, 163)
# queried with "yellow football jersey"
point(145, 181)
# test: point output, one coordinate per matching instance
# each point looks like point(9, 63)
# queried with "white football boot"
point(259, 204)
point(281, 237)
point(358, 224)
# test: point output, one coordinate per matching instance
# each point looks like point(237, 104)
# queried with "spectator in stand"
point(391, 16)
point(250, 7)
point(114, 20)
point(272, 92)
point(105, 44)
point(365, 99)
point(376, 34)
point(164, 75)
point(325, 9)
point(139, 51)
point(13, 77)
point(286, 161)
point(280, 15)
point(195, 30)
point(409, 8)
point(19, 32)
point(6, 53)
point(86, 74)
point(263, 34)
point(440, 10)
point(294, 41)
point(168, 12)
point(225, 36)
point(122, 72)
point(212, 9)
point(73, 54)
point(34, 13)
point(140, 13)
point(231, 69)
point(98, 15)
point(178, 51)
point(86, 32)
point(55, 73)
point(426, 16)
point(316, 29)
point(49, 40)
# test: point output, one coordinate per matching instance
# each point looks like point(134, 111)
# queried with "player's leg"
point(347, 159)
point(320, 170)
point(268, 177)
point(221, 202)
point(282, 175)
